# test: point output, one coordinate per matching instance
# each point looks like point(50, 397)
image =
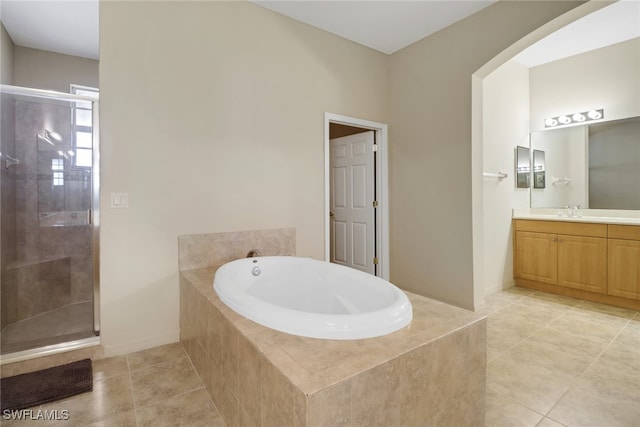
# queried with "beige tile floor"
point(552, 361)
point(558, 361)
point(156, 387)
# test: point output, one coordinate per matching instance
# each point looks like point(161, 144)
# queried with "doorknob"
point(331, 214)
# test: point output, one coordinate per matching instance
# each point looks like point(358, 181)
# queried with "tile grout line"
point(572, 384)
point(508, 304)
point(544, 417)
point(202, 381)
point(133, 398)
point(508, 397)
point(525, 339)
point(158, 362)
point(532, 333)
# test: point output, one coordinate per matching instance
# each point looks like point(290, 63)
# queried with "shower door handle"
point(89, 216)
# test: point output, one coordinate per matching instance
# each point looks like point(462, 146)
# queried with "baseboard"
point(578, 293)
point(498, 287)
point(138, 345)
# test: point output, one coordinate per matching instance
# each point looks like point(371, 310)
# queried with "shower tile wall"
point(48, 266)
point(7, 197)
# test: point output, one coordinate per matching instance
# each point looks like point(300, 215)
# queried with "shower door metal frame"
point(95, 208)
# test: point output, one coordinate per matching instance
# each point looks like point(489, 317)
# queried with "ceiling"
point(386, 26)
point(71, 27)
point(612, 24)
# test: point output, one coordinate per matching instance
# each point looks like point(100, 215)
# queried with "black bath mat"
point(35, 388)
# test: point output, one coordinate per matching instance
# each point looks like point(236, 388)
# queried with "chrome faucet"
point(576, 211)
point(253, 253)
point(569, 211)
point(573, 211)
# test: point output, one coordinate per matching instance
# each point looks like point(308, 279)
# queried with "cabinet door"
point(582, 263)
point(624, 268)
point(536, 257)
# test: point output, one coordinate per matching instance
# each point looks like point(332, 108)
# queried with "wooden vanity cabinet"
point(624, 261)
point(594, 261)
point(572, 255)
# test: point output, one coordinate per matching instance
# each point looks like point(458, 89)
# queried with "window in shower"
point(57, 166)
point(82, 127)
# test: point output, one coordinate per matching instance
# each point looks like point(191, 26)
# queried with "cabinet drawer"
point(562, 227)
point(625, 232)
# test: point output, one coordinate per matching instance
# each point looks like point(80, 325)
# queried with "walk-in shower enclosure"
point(48, 219)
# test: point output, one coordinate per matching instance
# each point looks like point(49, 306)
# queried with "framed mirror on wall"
point(539, 178)
point(596, 166)
point(523, 167)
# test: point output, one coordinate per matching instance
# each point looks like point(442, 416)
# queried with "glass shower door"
point(48, 245)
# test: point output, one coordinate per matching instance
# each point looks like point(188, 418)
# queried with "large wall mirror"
point(595, 166)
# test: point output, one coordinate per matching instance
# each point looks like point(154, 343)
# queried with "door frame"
point(382, 186)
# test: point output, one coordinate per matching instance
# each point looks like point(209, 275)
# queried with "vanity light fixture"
point(574, 118)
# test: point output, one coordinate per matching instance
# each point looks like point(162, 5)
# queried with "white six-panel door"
point(351, 200)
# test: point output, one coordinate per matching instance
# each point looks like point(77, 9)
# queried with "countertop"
point(599, 216)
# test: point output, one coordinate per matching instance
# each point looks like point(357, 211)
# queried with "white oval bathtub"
point(311, 298)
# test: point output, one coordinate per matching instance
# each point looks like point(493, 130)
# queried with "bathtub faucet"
point(253, 253)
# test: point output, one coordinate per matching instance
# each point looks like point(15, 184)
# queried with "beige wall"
point(212, 121)
point(603, 78)
point(430, 146)
point(42, 69)
point(505, 125)
point(6, 56)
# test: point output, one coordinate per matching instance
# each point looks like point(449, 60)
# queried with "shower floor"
point(68, 323)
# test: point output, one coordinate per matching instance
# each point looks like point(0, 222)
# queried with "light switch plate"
point(119, 200)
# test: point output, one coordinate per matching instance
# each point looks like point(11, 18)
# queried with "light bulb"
point(578, 117)
point(594, 114)
point(564, 120)
point(550, 122)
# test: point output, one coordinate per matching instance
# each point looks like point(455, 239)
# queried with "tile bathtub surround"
point(430, 373)
point(208, 250)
